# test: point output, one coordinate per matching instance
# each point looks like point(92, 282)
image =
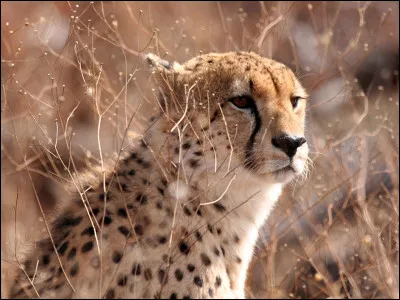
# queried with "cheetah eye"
point(242, 102)
point(295, 101)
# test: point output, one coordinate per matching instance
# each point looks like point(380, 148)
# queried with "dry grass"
point(75, 91)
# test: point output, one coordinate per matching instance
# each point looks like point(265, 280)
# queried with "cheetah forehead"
point(251, 61)
point(240, 67)
point(240, 86)
point(246, 72)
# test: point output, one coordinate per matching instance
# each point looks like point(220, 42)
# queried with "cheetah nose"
point(287, 143)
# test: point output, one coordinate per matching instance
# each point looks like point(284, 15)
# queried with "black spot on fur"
point(223, 251)
point(142, 199)
point(216, 251)
point(147, 274)
point(198, 236)
point(87, 247)
point(167, 259)
point(95, 211)
point(211, 292)
point(162, 240)
point(136, 269)
point(68, 222)
point(46, 260)
point(122, 280)
point(178, 274)
point(107, 220)
point(219, 231)
point(186, 210)
point(116, 257)
point(125, 231)
point(194, 163)
point(161, 190)
point(198, 153)
point(210, 229)
point(205, 259)
point(88, 231)
point(214, 117)
point(143, 144)
point(236, 239)
point(218, 281)
point(173, 296)
point(191, 268)
point(198, 281)
point(159, 205)
point(72, 254)
point(74, 269)
point(238, 260)
point(122, 213)
point(138, 229)
point(63, 248)
point(131, 172)
point(219, 207)
point(162, 276)
point(124, 187)
point(110, 294)
point(186, 145)
point(183, 247)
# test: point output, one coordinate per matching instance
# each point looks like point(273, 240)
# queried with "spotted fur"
point(180, 215)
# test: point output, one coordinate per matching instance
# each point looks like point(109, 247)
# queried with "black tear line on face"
point(250, 159)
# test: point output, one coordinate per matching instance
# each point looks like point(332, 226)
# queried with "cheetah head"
point(257, 101)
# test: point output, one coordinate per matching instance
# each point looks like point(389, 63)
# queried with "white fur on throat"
point(249, 201)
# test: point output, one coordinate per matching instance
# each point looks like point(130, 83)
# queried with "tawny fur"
point(183, 208)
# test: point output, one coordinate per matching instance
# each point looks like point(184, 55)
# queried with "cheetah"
point(178, 217)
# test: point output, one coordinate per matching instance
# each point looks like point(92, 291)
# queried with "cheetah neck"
point(248, 203)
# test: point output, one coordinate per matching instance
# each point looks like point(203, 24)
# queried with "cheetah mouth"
point(286, 173)
point(287, 169)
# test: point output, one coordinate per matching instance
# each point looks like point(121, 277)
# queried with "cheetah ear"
point(165, 77)
point(160, 64)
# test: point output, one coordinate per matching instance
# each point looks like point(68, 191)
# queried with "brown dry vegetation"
point(72, 80)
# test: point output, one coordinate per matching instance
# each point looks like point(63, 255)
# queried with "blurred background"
point(71, 75)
